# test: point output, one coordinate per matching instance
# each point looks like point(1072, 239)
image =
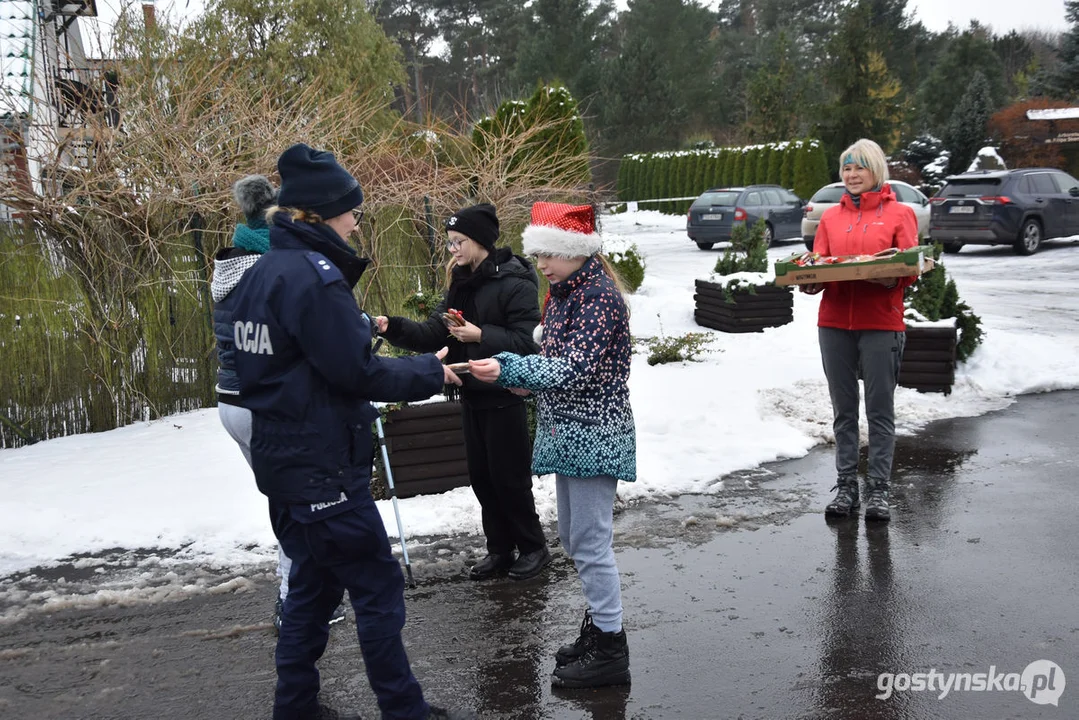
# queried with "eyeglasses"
point(455, 244)
point(357, 215)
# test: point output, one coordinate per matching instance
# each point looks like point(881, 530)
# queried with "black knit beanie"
point(477, 222)
point(312, 180)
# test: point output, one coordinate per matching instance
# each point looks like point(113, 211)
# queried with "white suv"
point(829, 195)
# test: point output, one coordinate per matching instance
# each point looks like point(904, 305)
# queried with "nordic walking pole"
point(386, 464)
point(393, 497)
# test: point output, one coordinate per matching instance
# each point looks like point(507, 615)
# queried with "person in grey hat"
point(497, 295)
point(255, 195)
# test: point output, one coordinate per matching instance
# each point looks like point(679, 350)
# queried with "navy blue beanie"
point(312, 180)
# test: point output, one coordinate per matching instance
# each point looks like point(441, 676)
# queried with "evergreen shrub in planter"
point(941, 331)
point(626, 259)
point(739, 297)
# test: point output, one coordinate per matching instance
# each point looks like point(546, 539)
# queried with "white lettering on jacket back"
point(252, 337)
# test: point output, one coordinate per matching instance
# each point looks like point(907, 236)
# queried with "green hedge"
point(801, 165)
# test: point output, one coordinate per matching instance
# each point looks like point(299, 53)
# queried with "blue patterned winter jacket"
point(584, 424)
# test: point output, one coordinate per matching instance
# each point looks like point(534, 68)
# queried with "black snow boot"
point(876, 500)
point(846, 497)
point(327, 713)
point(438, 713)
point(568, 653)
point(606, 662)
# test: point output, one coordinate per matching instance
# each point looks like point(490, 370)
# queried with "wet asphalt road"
point(746, 604)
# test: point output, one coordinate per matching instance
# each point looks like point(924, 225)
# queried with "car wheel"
point(952, 248)
point(768, 235)
point(1030, 237)
point(705, 246)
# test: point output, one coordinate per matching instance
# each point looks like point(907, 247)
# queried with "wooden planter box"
point(426, 445)
point(770, 306)
point(928, 363)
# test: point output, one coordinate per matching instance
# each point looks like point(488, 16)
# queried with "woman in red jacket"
point(861, 327)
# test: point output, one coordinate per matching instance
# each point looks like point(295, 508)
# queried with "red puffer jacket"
point(878, 224)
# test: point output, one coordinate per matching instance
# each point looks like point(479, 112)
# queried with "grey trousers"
point(586, 528)
point(873, 356)
point(237, 422)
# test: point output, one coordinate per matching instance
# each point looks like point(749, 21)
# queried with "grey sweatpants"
point(237, 422)
point(874, 356)
point(586, 528)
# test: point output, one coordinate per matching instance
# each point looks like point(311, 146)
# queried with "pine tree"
point(775, 92)
point(952, 73)
point(638, 101)
point(966, 131)
point(482, 37)
point(411, 24)
point(867, 101)
point(1064, 82)
point(563, 40)
point(270, 43)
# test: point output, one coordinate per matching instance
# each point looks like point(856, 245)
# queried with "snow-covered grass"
point(180, 483)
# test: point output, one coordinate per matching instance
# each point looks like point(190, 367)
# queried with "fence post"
point(200, 257)
point(428, 218)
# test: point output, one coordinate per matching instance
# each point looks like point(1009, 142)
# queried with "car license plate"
point(962, 209)
point(712, 216)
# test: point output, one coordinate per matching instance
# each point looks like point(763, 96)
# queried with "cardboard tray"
point(889, 263)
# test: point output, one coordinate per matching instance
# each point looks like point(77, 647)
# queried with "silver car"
point(829, 195)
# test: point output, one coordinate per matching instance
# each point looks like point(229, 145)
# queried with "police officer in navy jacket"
point(307, 373)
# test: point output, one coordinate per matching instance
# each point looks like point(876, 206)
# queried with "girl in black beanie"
point(497, 295)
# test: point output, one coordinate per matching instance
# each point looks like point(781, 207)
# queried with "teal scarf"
point(255, 240)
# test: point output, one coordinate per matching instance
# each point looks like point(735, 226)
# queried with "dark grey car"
point(1020, 208)
point(714, 215)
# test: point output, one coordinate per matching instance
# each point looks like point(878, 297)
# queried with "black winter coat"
point(502, 298)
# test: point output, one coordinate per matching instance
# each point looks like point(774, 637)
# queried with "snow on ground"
point(179, 485)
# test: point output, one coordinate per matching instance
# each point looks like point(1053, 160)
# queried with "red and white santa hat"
point(562, 230)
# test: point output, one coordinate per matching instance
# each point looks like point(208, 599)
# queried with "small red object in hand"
point(453, 318)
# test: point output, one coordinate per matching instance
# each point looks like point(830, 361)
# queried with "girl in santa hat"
point(584, 426)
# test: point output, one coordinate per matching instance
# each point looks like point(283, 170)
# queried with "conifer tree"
point(749, 169)
point(966, 130)
point(775, 159)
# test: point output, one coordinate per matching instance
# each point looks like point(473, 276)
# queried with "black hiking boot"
point(323, 712)
point(492, 565)
point(605, 662)
point(438, 713)
point(876, 500)
point(529, 565)
point(846, 497)
point(568, 653)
